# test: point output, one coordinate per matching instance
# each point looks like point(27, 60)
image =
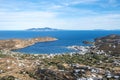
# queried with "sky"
point(60, 14)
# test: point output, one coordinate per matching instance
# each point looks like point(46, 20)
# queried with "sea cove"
point(65, 39)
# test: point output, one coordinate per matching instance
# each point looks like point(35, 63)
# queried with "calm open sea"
point(65, 38)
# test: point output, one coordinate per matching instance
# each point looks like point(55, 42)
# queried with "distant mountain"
point(43, 29)
point(106, 29)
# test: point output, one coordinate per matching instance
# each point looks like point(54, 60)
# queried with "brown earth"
point(110, 43)
point(13, 44)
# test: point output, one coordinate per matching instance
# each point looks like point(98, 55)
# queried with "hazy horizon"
point(61, 29)
point(60, 14)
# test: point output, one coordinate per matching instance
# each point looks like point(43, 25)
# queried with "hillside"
point(110, 43)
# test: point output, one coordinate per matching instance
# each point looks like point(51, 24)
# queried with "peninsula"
point(13, 44)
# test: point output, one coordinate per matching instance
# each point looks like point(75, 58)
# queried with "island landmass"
point(43, 29)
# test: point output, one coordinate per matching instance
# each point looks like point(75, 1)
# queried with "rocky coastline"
point(13, 44)
point(109, 43)
point(91, 63)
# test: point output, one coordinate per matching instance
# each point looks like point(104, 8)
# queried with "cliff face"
point(22, 43)
point(109, 43)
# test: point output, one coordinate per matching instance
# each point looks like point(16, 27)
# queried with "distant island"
point(43, 29)
point(54, 29)
point(106, 30)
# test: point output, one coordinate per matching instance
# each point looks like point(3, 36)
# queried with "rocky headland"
point(110, 43)
point(13, 44)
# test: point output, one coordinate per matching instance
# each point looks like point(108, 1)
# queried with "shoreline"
point(92, 64)
point(13, 44)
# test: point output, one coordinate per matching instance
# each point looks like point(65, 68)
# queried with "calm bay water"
point(65, 38)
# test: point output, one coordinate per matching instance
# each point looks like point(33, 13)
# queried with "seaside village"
point(101, 61)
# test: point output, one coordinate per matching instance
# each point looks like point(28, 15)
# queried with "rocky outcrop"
point(47, 74)
point(110, 43)
point(13, 44)
point(88, 42)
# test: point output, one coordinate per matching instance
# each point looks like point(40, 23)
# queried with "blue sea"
point(65, 39)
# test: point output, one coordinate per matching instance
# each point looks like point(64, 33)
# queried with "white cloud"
point(18, 5)
point(108, 21)
point(68, 3)
point(22, 14)
point(23, 20)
